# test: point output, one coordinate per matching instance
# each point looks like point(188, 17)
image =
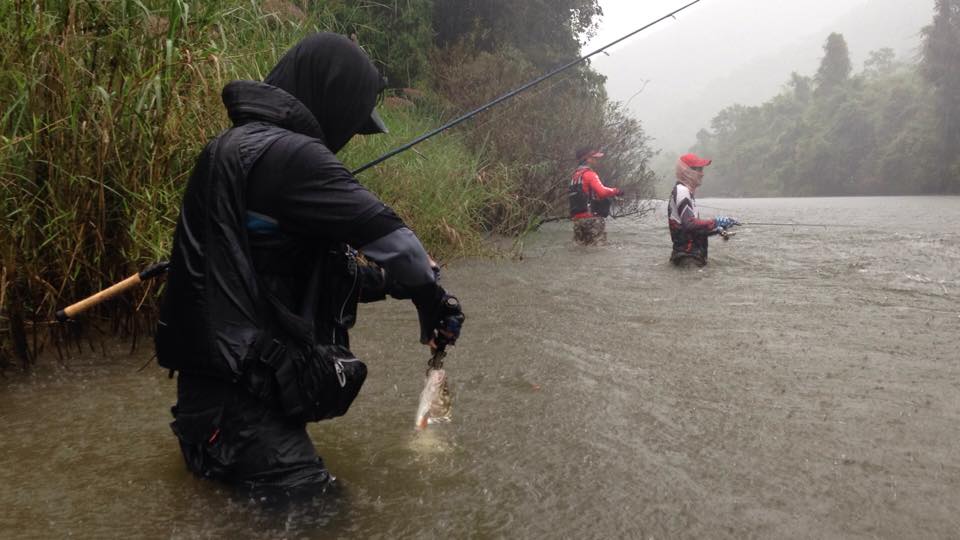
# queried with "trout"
point(435, 403)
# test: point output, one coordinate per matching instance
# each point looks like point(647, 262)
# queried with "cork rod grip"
point(75, 309)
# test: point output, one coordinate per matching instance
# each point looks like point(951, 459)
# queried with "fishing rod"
point(161, 268)
point(512, 93)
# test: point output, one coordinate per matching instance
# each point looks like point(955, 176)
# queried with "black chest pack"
point(307, 381)
point(581, 202)
point(307, 378)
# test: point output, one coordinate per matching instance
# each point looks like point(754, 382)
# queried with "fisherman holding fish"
point(688, 232)
point(263, 282)
point(589, 199)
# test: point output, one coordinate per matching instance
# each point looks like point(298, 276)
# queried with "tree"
point(545, 31)
point(835, 66)
point(487, 47)
point(872, 134)
point(801, 87)
point(880, 61)
point(396, 34)
point(940, 66)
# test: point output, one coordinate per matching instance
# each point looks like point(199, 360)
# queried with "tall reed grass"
point(104, 105)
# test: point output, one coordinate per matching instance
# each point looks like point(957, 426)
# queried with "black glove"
point(725, 222)
point(451, 321)
point(437, 311)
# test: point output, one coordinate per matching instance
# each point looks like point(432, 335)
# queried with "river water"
point(805, 384)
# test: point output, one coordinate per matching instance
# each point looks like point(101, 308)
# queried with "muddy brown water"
point(805, 384)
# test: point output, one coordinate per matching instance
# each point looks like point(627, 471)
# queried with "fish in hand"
point(435, 400)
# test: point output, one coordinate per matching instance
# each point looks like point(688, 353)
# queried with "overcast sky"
point(756, 20)
point(721, 52)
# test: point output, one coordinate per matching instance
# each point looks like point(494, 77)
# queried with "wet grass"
point(103, 108)
point(446, 192)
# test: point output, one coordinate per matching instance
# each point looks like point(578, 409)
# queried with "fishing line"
point(769, 224)
point(512, 93)
point(708, 207)
point(757, 223)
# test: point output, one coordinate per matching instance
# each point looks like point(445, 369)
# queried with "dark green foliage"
point(488, 47)
point(396, 33)
point(545, 31)
point(104, 105)
point(884, 131)
point(941, 67)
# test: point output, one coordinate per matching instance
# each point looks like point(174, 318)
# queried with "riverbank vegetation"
point(104, 105)
point(892, 128)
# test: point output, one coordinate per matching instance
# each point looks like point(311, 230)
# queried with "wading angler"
point(589, 199)
point(688, 232)
point(264, 279)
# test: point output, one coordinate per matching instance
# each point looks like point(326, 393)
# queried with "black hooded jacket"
point(278, 163)
point(333, 78)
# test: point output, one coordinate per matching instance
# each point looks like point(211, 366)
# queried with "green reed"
point(104, 105)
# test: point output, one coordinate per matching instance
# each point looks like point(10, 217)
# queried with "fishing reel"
point(447, 331)
point(725, 232)
point(451, 322)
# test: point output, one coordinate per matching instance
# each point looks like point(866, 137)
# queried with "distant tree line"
point(893, 128)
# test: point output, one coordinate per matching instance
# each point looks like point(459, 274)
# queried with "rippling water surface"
point(805, 384)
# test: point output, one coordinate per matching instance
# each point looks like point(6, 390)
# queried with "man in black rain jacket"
point(262, 265)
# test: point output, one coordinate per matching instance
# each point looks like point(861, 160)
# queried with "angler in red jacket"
point(688, 232)
point(589, 199)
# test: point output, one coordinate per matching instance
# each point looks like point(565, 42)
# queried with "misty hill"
point(725, 54)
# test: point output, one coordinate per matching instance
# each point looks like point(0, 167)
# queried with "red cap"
point(693, 160)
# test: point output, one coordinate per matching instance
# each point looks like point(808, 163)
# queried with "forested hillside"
point(104, 105)
point(886, 128)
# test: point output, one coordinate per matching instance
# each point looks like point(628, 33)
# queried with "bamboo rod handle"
point(74, 309)
point(151, 272)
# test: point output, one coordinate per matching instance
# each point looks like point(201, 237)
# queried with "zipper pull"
point(340, 376)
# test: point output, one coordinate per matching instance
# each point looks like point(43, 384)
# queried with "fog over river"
point(805, 384)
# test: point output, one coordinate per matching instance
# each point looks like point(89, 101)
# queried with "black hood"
point(335, 80)
point(251, 101)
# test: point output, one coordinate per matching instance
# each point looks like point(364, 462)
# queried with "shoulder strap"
point(578, 175)
point(249, 143)
point(578, 180)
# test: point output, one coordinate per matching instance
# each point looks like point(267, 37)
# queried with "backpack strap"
point(578, 181)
